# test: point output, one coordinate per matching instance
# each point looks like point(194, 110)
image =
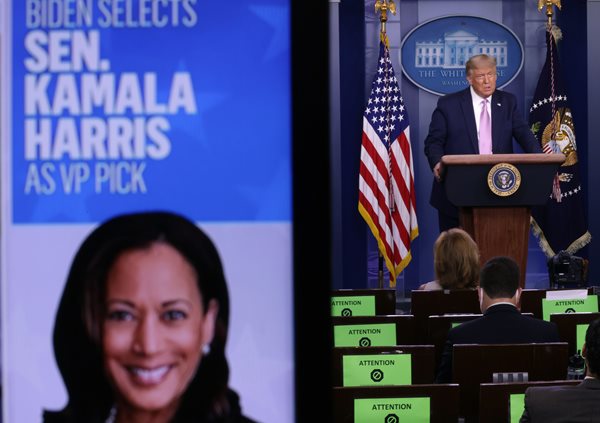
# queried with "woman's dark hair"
point(78, 325)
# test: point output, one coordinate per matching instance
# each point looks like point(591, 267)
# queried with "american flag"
point(386, 198)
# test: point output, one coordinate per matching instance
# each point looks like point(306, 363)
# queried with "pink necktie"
point(485, 130)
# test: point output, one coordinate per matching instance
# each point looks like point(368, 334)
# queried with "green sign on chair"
point(360, 305)
point(376, 369)
point(517, 405)
point(576, 305)
point(392, 410)
point(370, 335)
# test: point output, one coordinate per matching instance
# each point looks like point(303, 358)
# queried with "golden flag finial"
point(383, 6)
point(549, 11)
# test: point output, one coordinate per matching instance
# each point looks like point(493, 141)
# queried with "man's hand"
point(437, 171)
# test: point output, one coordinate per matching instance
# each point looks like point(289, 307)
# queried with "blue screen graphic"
point(125, 105)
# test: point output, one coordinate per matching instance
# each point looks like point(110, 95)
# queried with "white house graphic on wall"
point(455, 49)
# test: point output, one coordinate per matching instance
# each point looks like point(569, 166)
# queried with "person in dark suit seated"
point(573, 404)
point(462, 124)
point(502, 322)
point(455, 261)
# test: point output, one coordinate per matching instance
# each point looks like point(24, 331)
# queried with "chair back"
point(473, 364)
point(438, 327)
point(379, 366)
point(531, 300)
point(497, 401)
point(363, 302)
point(396, 400)
point(432, 303)
point(572, 327)
point(374, 331)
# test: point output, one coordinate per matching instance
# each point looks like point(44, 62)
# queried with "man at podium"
point(476, 120)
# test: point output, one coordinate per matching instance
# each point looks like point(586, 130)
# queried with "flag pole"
point(382, 7)
point(386, 198)
point(549, 4)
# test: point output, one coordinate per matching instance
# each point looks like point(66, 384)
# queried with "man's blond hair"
point(479, 60)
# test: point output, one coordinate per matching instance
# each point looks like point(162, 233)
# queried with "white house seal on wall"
point(435, 52)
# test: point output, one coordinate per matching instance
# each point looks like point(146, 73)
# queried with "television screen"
point(128, 106)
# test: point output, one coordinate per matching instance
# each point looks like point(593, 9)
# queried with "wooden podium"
point(494, 194)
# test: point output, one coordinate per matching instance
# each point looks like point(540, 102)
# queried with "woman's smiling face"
point(154, 328)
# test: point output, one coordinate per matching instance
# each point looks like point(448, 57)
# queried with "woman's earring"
point(206, 349)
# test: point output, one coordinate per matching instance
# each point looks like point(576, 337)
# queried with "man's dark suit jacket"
point(500, 324)
point(554, 404)
point(453, 131)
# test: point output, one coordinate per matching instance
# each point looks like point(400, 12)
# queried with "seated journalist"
point(140, 331)
point(502, 322)
point(573, 404)
point(477, 120)
point(455, 261)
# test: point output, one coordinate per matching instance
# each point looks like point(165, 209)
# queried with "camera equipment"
point(566, 271)
point(576, 368)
